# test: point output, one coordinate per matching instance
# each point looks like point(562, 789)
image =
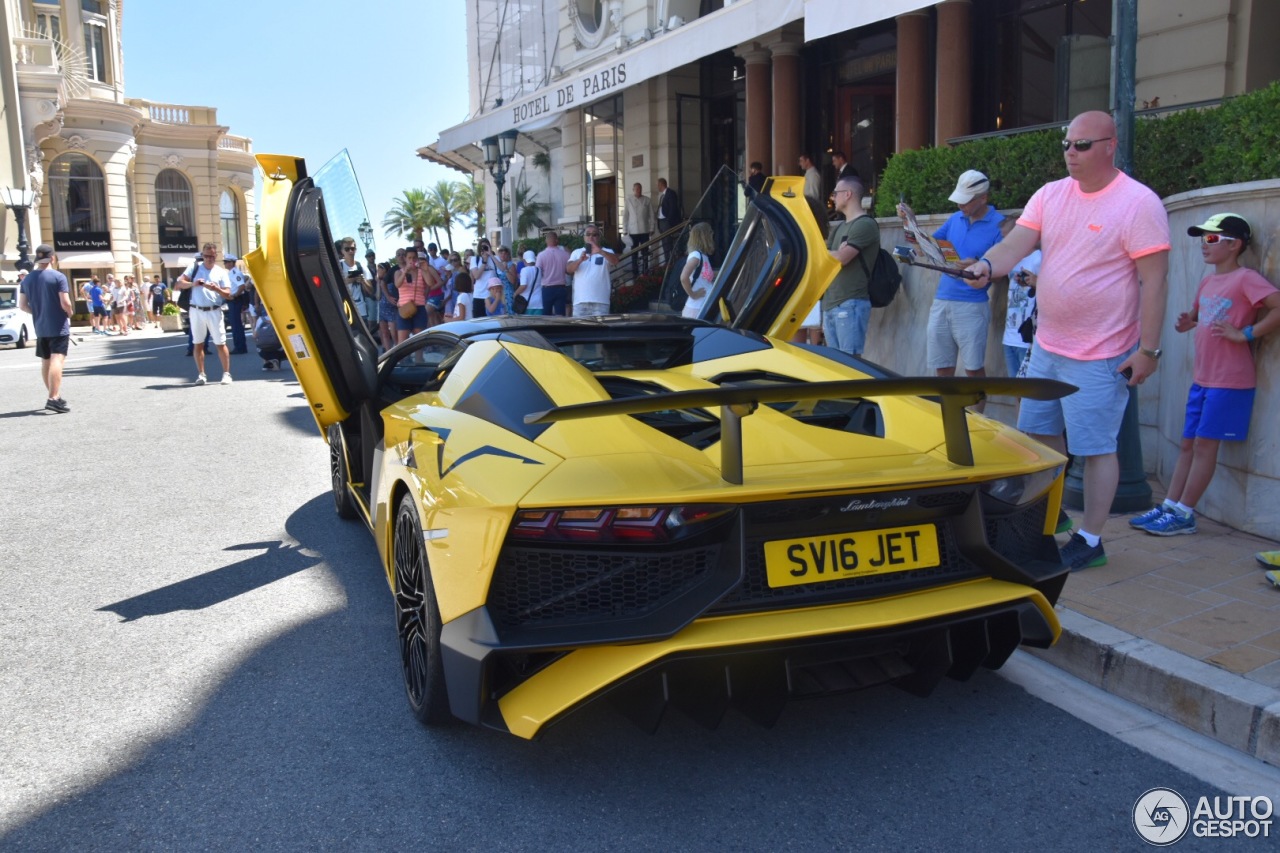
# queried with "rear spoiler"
point(954, 393)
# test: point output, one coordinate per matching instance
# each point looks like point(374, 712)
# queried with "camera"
point(1021, 277)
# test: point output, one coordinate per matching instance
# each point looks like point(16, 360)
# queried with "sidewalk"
point(1186, 626)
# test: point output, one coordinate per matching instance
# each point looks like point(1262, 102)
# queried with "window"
point(1050, 60)
point(94, 6)
point(229, 211)
point(95, 53)
point(79, 195)
point(174, 205)
point(49, 27)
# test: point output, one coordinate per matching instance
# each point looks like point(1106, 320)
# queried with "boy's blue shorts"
point(1219, 413)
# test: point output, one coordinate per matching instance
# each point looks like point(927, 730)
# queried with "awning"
point(141, 261)
point(468, 159)
point(722, 29)
point(824, 18)
point(177, 259)
point(86, 259)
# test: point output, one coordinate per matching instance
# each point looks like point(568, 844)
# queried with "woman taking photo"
point(411, 304)
point(388, 296)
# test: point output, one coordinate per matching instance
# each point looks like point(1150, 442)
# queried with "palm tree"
point(471, 206)
point(410, 216)
point(449, 201)
point(526, 209)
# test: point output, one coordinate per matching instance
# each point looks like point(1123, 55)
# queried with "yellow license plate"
point(817, 559)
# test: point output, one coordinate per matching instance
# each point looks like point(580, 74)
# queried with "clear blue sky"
point(312, 78)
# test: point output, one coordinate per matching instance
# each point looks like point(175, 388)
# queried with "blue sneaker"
point(1172, 524)
point(1078, 554)
point(1140, 522)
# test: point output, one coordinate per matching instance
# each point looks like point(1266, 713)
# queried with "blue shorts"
point(1218, 413)
point(845, 325)
point(1091, 415)
point(416, 323)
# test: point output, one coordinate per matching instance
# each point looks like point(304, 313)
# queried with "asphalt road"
point(195, 653)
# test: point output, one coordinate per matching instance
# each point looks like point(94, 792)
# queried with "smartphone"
point(1127, 373)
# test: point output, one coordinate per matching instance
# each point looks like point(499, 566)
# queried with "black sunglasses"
point(1081, 144)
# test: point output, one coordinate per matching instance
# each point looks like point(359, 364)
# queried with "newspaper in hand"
point(940, 252)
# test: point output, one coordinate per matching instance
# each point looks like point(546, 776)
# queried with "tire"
point(343, 504)
point(22, 338)
point(418, 620)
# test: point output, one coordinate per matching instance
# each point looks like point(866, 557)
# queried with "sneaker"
point(1140, 522)
point(1274, 577)
point(200, 380)
point(1268, 559)
point(226, 379)
point(1077, 554)
point(1064, 522)
point(270, 364)
point(1172, 524)
point(57, 404)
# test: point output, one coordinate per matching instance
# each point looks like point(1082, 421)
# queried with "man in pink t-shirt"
point(1101, 303)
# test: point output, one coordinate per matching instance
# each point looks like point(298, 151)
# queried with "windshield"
point(9, 296)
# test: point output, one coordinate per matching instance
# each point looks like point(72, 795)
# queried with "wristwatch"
point(1150, 353)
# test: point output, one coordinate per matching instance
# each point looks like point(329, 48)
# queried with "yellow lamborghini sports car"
point(664, 511)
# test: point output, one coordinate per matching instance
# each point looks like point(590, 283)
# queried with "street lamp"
point(366, 234)
point(498, 151)
point(19, 201)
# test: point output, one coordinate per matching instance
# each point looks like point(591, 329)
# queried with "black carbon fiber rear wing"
point(953, 393)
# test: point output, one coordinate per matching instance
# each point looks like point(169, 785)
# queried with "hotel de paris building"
point(117, 184)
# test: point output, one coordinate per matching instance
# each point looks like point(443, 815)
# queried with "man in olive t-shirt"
point(854, 243)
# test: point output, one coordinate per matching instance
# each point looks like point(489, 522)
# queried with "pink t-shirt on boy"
point(1088, 294)
point(1235, 297)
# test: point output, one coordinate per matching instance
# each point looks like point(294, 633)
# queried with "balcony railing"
point(177, 113)
point(236, 143)
point(35, 51)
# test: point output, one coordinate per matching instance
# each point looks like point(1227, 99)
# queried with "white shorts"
point(207, 322)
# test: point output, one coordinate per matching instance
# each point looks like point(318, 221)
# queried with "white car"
point(16, 325)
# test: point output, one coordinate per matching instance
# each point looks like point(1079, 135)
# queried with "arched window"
point(78, 195)
point(173, 204)
point(229, 210)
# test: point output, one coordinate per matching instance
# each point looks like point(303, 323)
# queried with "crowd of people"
point(1087, 261)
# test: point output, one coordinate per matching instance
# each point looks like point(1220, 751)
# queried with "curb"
point(1229, 708)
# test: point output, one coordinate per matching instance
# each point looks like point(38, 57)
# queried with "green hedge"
point(1236, 142)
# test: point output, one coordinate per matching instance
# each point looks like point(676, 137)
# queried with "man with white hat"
point(961, 312)
point(531, 283)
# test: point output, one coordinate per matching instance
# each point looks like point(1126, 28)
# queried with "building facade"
point(608, 93)
point(121, 185)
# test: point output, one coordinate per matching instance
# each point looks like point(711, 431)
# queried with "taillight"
point(613, 524)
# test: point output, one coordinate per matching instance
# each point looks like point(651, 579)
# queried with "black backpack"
point(883, 278)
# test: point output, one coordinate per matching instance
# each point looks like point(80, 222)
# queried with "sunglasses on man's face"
point(348, 248)
point(1081, 145)
point(1214, 239)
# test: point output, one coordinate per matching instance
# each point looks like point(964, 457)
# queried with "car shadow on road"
point(279, 560)
point(308, 744)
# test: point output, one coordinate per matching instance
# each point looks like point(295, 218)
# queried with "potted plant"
point(170, 318)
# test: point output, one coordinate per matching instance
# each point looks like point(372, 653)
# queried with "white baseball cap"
point(529, 256)
point(971, 183)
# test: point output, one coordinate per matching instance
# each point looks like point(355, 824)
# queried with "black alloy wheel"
point(418, 620)
point(343, 503)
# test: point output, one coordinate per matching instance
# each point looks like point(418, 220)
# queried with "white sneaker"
point(226, 379)
point(200, 380)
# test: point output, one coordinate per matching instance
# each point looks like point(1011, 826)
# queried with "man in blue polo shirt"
point(46, 295)
point(960, 313)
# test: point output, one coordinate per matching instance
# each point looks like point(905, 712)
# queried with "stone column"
point(911, 109)
point(759, 104)
point(787, 100)
point(955, 70)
